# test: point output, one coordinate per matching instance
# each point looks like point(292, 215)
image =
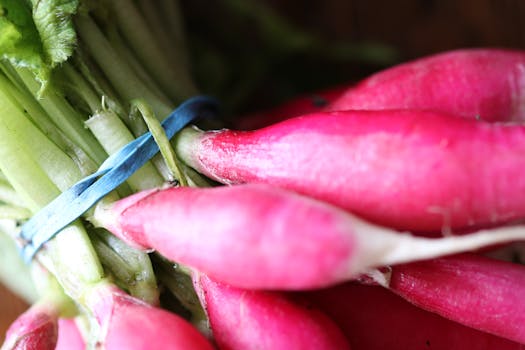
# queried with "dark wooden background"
point(10, 307)
point(413, 27)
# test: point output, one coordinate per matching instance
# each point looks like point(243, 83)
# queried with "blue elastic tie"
point(117, 168)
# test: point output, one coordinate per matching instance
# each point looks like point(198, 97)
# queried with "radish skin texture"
point(476, 291)
point(411, 170)
point(129, 323)
point(34, 329)
point(264, 237)
point(373, 318)
point(303, 104)
point(251, 236)
point(255, 320)
point(69, 337)
point(478, 83)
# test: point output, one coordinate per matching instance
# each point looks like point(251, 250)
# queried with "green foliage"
point(38, 36)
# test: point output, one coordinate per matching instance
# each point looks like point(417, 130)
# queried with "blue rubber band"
point(117, 168)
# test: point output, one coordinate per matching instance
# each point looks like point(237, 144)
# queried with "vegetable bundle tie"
point(74, 202)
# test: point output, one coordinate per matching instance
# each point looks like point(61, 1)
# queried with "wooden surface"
point(416, 27)
point(412, 28)
point(10, 307)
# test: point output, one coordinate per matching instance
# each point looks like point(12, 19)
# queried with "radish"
point(373, 318)
point(69, 337)
point(413, 170)
point(479, 292)
point(129, 323)
point(478, 83)
point(37, 328)
point(244, 319)
point(266, 237)
point(303, 104)
point(34, 329)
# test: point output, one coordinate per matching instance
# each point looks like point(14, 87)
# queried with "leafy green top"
point(38, 35)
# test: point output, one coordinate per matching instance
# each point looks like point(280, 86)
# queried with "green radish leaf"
point(53, 20)
point(37, 35)
point(19, 39)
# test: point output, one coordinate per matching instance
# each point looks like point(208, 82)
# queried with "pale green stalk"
point(14, 273)
point(96, 79)
point(177, 280)
point(65, 117)
point(111, 132)
point(170, 74)
point(51, 159)
point(74, 260)
point(77, 82)
point(174, 23)
point(121, 76)
point(129, 265)
point(51, 292)
point(8, 195)
point(18, 94)
point(14, 212)
point(160, 28)
point(128, 57)
point(162, 141)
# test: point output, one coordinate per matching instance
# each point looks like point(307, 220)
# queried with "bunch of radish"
point(421, 150)
point(358, 219)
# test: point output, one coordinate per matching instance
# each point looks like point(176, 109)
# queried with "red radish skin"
point(476, 291)
point(304, 104)
point(34, 329)
point(254, 320)
point(264, 237)
point(478, 83)
point(412, 170)
point(258, 245)
point(373, 318)
point(69, 337)
point(129, 323)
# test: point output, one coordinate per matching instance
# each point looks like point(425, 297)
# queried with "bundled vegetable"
point(129, 323)
point(406, 169)
point(485, 84)
point(69, 336)
point(315, 201)
point(35, 329)
point(479, 292)
point(373, 318)
point(62, 63)
point(304, 104)
point(267, 320)
point(285, 250)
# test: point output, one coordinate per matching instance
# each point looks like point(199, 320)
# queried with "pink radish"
point(69, 337)
point(259, 236)
point(484, 83)
point(412, 170)
point(479, 292)
point(373, 318)
point(304, 104)
point(129, 323)
point(243, 320)
point(34, 329)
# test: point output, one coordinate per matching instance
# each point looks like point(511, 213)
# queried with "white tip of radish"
point(380, 277)
point(185, 143)
point(382, 247)
point(104, 215)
